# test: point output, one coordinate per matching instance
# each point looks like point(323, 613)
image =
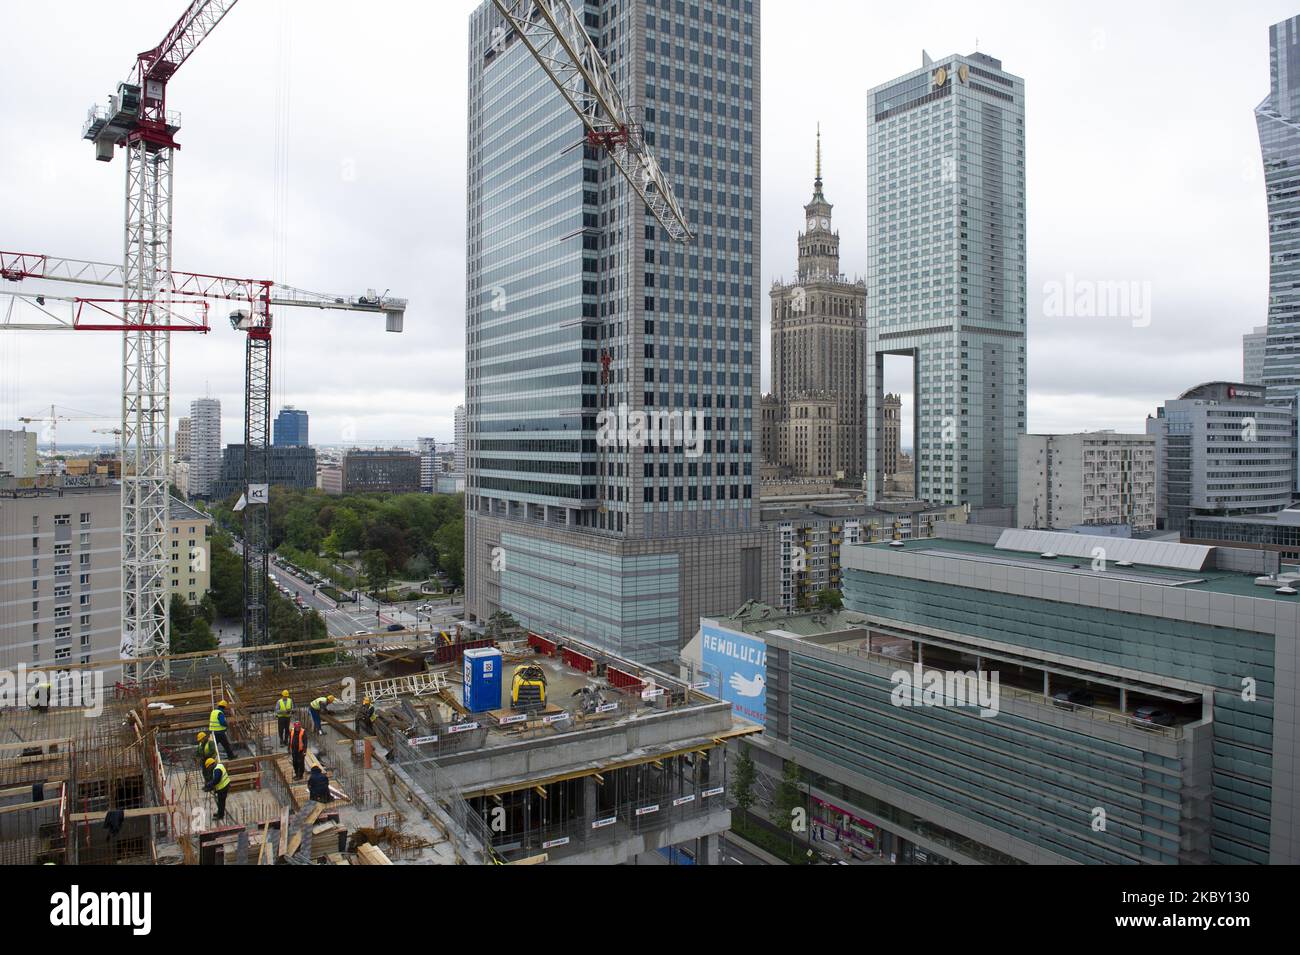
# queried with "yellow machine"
point(529, 686)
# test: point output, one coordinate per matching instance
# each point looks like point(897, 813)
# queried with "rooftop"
point(180, 511)
point(1209, 578)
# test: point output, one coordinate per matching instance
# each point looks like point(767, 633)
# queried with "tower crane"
point(553, 32)
point(255, 299)
point(53, 419)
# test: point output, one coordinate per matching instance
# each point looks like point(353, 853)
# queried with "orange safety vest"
point(298, 740)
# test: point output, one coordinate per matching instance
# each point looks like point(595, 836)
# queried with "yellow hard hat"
point(330, 698)
point(202, 737)
point(222, 703)
point(284, 692)
point(365, 700)
point(209, 762)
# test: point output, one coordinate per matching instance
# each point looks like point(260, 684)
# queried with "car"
point(1069, 699)
point(1150, 716)
point(424, 608)
point(361, 633)
point(394, 627)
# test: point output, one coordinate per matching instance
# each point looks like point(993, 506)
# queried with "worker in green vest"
point(207, 750)
point(218, 783)
point(218, 727)
point(283, 713)
point(316, 707)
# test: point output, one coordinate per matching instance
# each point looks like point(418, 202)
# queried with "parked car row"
point(1146, 716)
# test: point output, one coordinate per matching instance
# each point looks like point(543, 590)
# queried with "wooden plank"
point(59, 741)
point(128, 813)
point(43, 804)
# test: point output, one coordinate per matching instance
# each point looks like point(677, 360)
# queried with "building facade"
point(1092, 478)
point(1254, 346)
point(811, 536)
point(290, 428)
point(579, 306)
point(946, 272)
point(18, 453)
point(427, 448)
point(1222, 449)
point(892, 423)
point(1278, 121)
point(459, 424)
point(60, 572)
point(1118, 689)
point(818, 335)
point(287, 466)
point(191, 555)
point(205, 447)
point(181, 441)
point(384, 472)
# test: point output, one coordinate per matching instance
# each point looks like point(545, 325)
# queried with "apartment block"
point(1092, 478)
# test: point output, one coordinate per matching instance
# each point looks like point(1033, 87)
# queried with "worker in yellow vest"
point(321, 703)
point(218, 727)
point(366, 718)
point(218, 783)
point(207, 750)
point(283, 713)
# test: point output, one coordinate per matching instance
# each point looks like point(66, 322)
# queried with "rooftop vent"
point(1288, 591)
point(1047, 555)
point(897, 544)
point(1123, 563)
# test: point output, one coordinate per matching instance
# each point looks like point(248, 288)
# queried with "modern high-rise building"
point(18, 453)
point(205, 446)
point(181, 442)
point(946, 272)
point(568, 528)
point(380, 471)
point(290, 428)
point(292, 466)
point(428, 451)
point(1278, 121)
point(460, 440)
point(1093, 479)
point(818, 334)
point(1222, 449)
point(1253, 349)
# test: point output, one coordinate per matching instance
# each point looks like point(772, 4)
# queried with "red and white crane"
point(255, 299)
point(155, 301)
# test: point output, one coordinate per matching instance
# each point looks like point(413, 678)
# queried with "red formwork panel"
point(622, 680)
point(579, 661)
point(541, 644)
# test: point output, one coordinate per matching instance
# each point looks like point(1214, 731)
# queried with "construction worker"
point(38, 697)
point(207, 751)
point(283, 712)
point(218, 727)
point(219, 783)
point(318, 786)
point(298, 749)
point(321, 703)
point(366, 718)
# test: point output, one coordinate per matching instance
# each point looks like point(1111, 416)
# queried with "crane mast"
point(137, 120)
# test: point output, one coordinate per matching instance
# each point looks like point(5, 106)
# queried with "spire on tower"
point(819, 156)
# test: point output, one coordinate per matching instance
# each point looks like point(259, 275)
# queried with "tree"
point(501, 622)
point(378, 573)
point(787, 807)
point(198, 637)
point(742, 784)
point(829, 599)
point(450, 541)
point(207, 609)
point(418, 567)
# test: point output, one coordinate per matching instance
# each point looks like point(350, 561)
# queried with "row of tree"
point(286, 622)
point(416, 534)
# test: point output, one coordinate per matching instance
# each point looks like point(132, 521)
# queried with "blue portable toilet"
point(483, 681)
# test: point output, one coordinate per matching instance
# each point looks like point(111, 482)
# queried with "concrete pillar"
point(707, 851)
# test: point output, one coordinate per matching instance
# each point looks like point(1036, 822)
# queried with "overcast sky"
point(1142, 162)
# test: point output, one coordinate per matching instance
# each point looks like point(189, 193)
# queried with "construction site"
point(580, 757)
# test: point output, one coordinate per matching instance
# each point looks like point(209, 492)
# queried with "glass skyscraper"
point(577, 303)
point(946, 272)
point(1278, 119)
point(290, 428)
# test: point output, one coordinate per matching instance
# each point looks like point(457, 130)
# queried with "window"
point(85, 580)
point(85, 622)
point(63, 653)
point(62, 633)
point(84, 560)
point(62, 550)
point(85, 539)
point(85, 518)
point(62, 519)
point(85, 600)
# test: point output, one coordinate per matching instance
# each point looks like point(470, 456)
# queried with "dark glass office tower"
point(625, 546)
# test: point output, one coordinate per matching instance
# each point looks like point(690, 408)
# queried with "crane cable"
point(280, 200)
